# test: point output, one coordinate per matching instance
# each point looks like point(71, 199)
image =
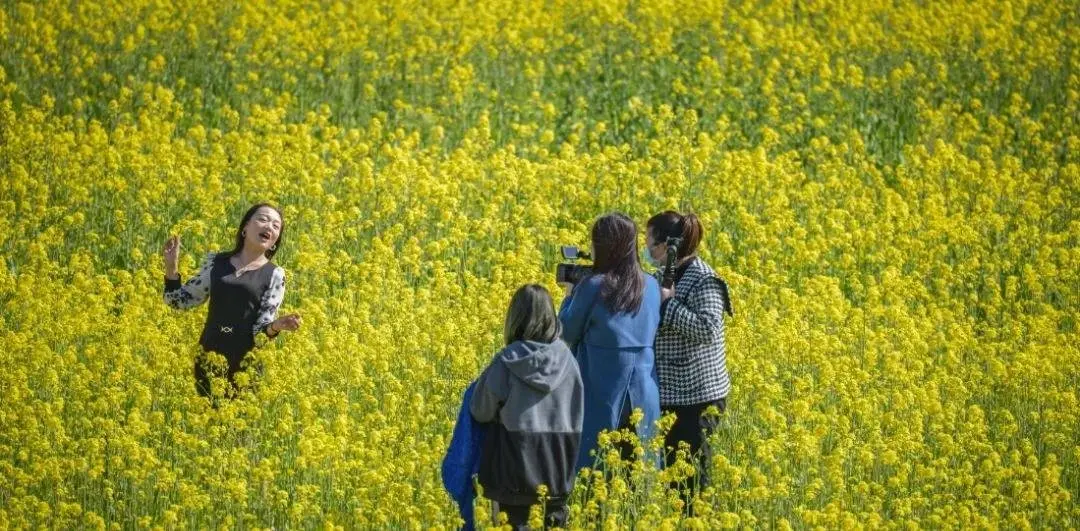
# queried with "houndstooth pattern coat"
point(691, 348)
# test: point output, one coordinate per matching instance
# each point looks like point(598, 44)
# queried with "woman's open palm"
point(171, 254)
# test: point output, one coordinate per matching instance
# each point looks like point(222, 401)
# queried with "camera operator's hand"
point(666, 293)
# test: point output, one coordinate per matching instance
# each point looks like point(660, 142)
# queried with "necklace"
point(248, 267)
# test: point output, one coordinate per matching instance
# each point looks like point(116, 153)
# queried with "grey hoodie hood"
point(540, 365)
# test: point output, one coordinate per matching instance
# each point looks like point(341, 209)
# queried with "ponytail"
point(691, 235)
point(670, 223)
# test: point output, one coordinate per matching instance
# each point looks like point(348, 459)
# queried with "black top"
point(240, 307)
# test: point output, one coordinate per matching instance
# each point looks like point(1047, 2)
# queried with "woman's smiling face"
point(263, 229)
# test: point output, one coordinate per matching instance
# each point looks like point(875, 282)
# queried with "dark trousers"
point(518, 515)
point(214, 369)
point(626, 449)
point(694, 428)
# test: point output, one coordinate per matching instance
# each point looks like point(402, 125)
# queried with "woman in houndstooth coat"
point(691, 351)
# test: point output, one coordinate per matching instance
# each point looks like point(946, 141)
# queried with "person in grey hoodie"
point(533, 394)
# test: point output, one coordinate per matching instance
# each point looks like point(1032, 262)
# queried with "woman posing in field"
point(691, 352)
point(244, 287)
point(610, 321)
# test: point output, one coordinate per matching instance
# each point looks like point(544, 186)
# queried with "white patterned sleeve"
point(193, 292)
point(271, 300)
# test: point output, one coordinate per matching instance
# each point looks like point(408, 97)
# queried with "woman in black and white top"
point(245, 289)
point(691, 351)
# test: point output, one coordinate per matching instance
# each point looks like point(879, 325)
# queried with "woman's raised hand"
point(171, 254)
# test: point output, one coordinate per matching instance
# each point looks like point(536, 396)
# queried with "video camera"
point(573, 272)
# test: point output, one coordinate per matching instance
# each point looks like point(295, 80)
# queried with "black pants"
point(626, 449)
point(694, 428)
point(224, 367)
point(518, 515)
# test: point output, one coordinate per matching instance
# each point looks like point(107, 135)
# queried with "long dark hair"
point(615, 255)
point(673, 224)
point(531, 316)
point(244, 221)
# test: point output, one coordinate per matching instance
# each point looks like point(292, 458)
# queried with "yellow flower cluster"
point(891, 190)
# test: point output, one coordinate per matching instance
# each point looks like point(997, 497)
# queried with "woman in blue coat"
point(610, 320)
